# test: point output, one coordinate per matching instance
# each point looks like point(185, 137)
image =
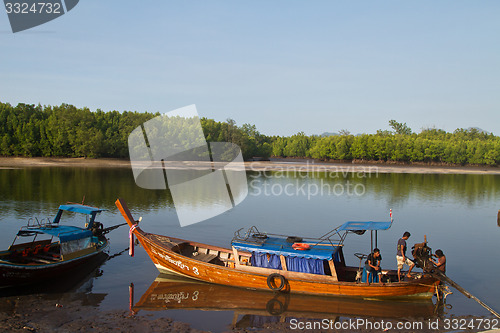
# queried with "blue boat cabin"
point(320, 256)
point(279, 253)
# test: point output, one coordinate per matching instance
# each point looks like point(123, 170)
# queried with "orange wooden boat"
point(268, 262)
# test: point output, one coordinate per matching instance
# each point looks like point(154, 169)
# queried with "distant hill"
point(325, 134)
point(329, 134)
point(475, 129)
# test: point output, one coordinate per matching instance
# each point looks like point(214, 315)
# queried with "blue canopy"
point(77, 208)
point(280, 246)
point(369, 225)
point(65, 233)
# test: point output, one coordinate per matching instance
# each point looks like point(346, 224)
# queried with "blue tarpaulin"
point(361, 225)
point(65, 233)
point(268, 253)
point(294, 264)
point(265, 260)
point(280, 246)
point(297, 264)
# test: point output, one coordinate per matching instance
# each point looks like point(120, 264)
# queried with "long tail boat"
point(45, 249)
point(280, 263)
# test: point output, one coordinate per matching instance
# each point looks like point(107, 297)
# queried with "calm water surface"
point(458, 213)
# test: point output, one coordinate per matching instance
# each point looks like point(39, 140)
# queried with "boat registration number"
point(177, 263)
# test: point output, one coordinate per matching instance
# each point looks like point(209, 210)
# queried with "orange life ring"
point(300, 246)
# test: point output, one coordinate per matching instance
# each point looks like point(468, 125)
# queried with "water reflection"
point(79, 281)
point(37, 189)
point(29, 190)
point(256, 308)
point(397, 188)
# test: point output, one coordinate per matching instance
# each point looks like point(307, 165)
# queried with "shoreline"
point(281, 165)
point(24, 162)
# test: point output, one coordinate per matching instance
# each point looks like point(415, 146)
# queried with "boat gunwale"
point(33, 266)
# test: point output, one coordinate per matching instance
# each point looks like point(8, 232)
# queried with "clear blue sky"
point(285, 66)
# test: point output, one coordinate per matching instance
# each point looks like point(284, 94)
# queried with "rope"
point(132, 228)
point(131, 239)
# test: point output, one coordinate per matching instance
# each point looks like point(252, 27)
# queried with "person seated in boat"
point(401, 257)
point(372, 265)
point(441, 263)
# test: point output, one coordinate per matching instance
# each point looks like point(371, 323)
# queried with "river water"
point(457, 213)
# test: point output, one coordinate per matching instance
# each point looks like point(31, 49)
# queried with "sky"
point(284, 66)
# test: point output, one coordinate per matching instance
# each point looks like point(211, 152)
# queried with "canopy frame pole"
point(371, 241)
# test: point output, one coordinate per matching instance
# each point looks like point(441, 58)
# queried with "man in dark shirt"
point(373, 265)
point(441, 263)
point(401, 256)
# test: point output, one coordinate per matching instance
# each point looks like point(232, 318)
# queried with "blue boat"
point(45, 250)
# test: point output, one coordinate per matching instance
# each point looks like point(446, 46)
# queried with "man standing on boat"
point(401, 256)
point(373, 265)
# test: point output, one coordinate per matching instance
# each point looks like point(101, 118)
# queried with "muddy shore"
point(62, 314)
point(35, 313)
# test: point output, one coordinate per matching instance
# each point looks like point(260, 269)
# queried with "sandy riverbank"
point(26, 162)
point(285, 165)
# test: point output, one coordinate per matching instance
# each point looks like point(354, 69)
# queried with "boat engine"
point(97, 229)
point(422, 253)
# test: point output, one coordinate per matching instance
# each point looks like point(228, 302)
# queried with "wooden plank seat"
point(204, 257)
point(164, 240)
point(48, 257)
point(39, 260)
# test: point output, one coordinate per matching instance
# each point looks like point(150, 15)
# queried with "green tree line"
point(65, 131)
point(463, 146)
point(68, 131)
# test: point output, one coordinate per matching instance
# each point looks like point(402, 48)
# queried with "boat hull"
point(12, 275)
